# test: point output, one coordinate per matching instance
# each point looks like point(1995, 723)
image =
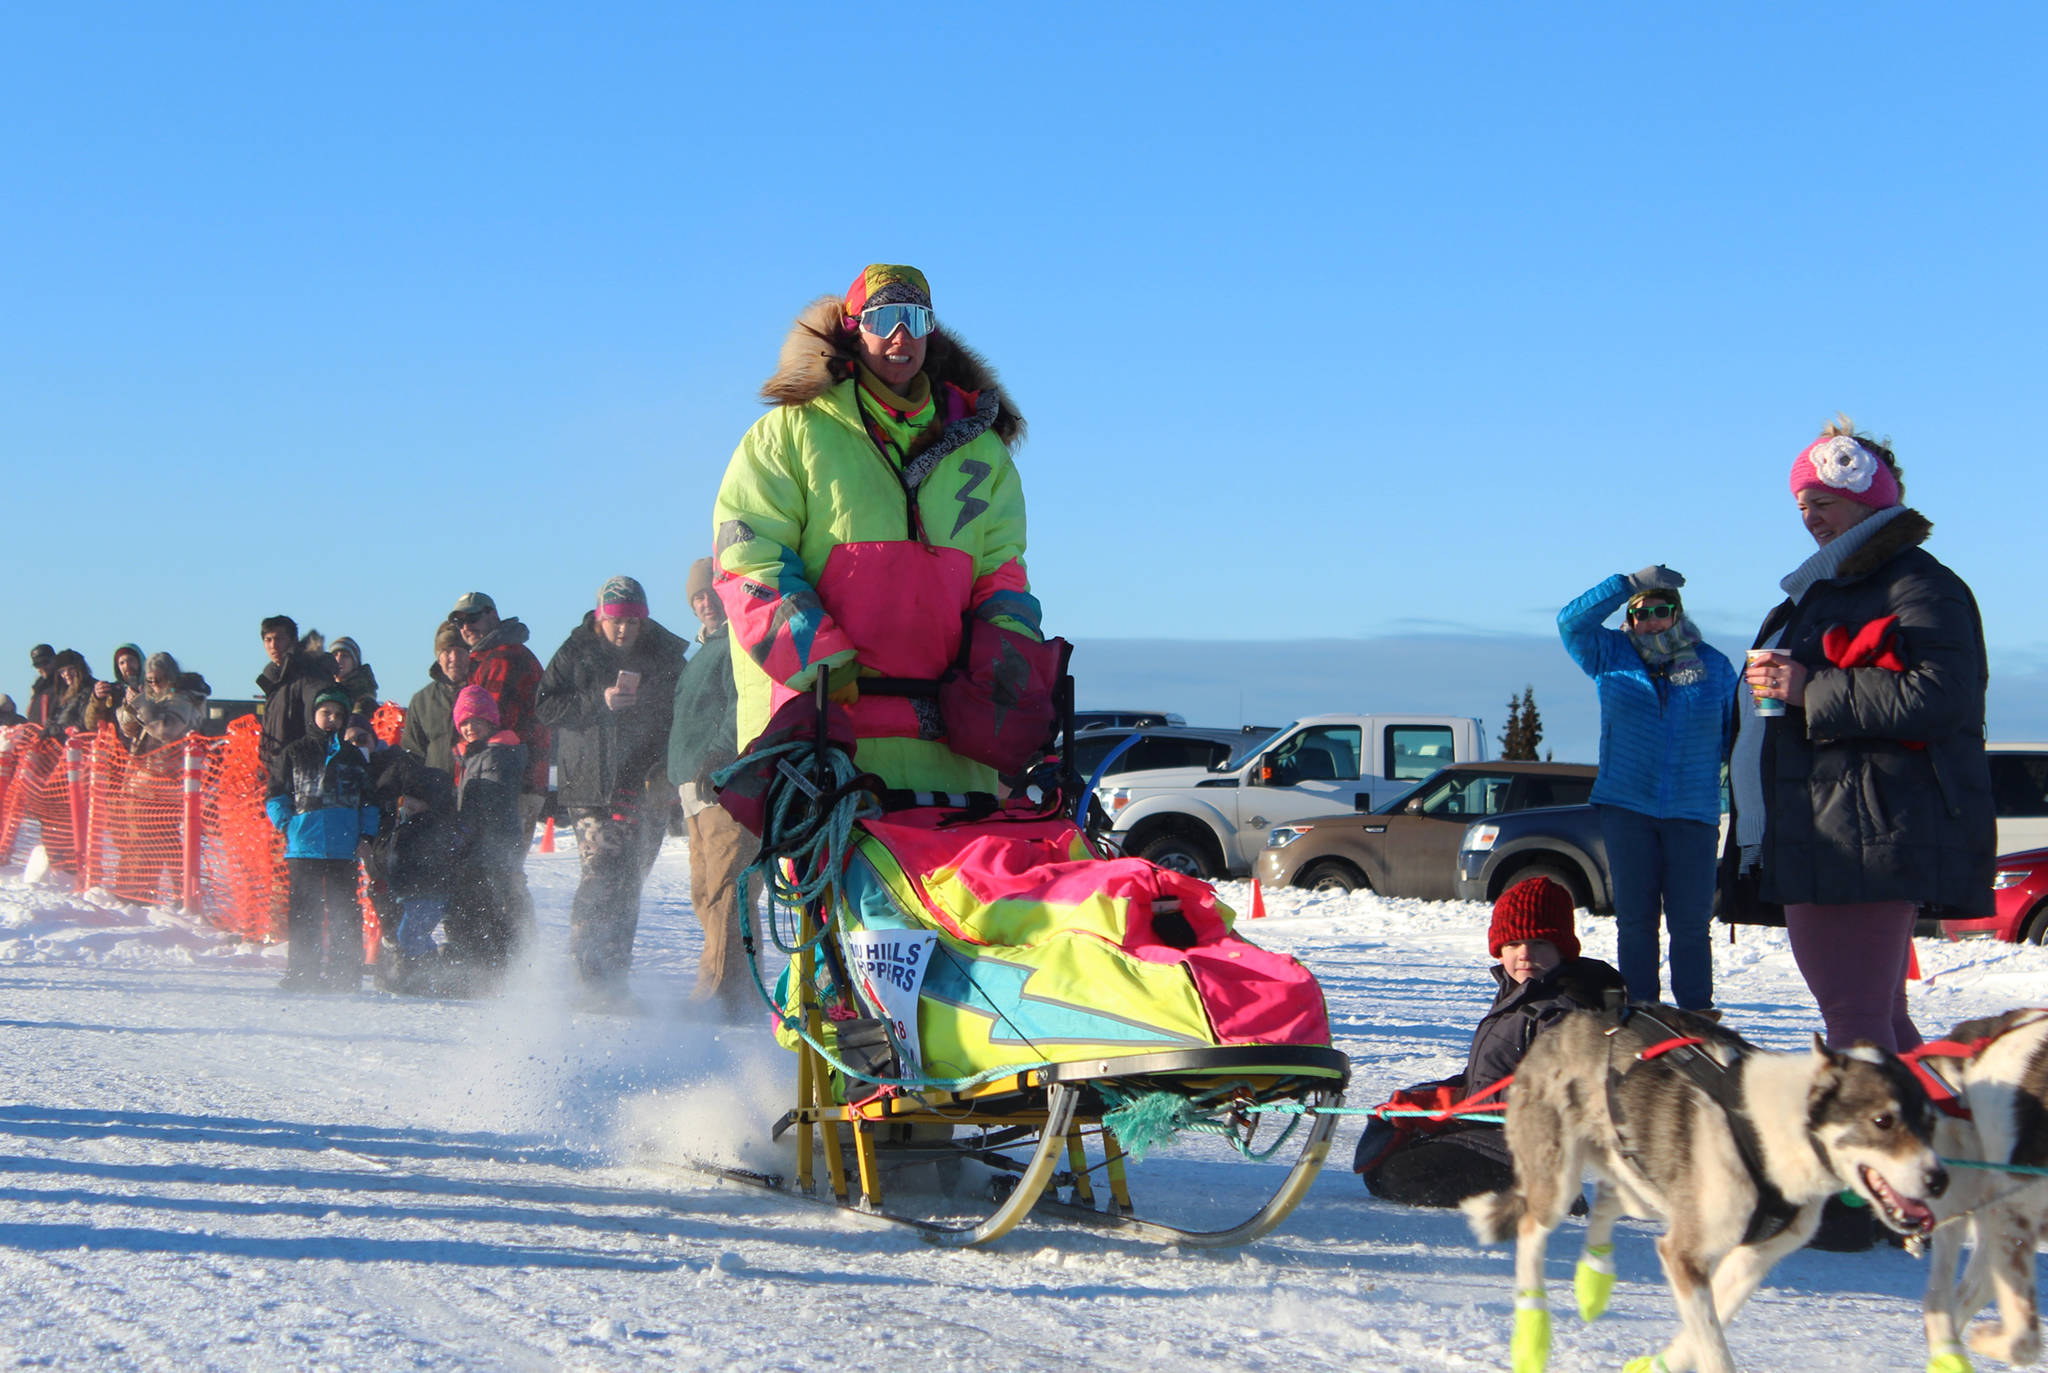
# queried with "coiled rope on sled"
point(808, 837)
point(806, 843)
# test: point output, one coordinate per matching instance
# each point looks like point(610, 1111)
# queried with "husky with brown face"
point(2004, 1086)
point(1736, 1148)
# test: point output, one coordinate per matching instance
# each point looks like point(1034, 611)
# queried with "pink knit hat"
point(1837, 463)
point(474, 701)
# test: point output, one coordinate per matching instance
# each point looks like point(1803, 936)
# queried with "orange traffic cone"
point(1912, 962)
point(1258, 901)
point(547, 836)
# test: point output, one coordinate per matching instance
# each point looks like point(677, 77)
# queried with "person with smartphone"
point(608, 695)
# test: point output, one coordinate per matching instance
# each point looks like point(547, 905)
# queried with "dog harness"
point(1721, 1085)
point(1957, 1051)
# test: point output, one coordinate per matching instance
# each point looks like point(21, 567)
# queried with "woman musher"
point(871, 519)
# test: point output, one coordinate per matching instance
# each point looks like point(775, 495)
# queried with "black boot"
point(1845, 1228)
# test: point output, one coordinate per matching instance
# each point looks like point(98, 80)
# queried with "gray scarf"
point(1672, 648)
point(1827, 560)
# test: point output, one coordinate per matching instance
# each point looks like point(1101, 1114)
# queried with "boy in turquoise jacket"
point(320, 798)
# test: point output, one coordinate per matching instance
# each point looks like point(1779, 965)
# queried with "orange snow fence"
point(181, 825)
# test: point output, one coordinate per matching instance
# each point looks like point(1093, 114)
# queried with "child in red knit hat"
point(1540, 978)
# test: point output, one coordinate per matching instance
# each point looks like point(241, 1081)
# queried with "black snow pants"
point(323, 923)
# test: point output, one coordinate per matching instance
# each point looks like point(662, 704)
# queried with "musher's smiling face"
point(895, 359)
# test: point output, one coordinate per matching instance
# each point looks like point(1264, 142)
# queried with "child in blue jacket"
point(320, 797)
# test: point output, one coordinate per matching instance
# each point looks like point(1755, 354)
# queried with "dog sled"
point(977, 995)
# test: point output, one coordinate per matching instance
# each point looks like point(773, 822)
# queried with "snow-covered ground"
point(202, 1172)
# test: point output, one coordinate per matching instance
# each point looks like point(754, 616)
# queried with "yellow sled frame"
point(1060, 1104)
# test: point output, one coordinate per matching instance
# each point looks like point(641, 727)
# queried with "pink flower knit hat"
point(1838, 463)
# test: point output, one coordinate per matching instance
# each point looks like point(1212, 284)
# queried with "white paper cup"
point(1767, 706)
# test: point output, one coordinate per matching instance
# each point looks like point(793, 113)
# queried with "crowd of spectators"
point(150, 701)
point(436, 829)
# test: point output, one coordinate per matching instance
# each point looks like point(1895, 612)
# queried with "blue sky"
point(1395, 325)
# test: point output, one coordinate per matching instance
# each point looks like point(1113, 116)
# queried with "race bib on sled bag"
point(998, 706)
point(888, 967)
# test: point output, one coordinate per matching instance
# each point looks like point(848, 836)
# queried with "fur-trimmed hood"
point(819, 353)
point(1909, 530)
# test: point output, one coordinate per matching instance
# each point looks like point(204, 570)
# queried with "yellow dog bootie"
point(1530, 1349)
point(1948, 1358)
point(1593, 1280)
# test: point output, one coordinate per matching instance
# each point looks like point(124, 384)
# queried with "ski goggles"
point(883, 320)
point(1653, 610)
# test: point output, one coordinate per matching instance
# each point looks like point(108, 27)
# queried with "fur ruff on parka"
point(1876, 787)
point(819, 353)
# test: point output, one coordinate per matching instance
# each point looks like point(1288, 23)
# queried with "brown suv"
point(1409, 847)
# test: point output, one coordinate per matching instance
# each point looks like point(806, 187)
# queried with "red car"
point(2020, 887)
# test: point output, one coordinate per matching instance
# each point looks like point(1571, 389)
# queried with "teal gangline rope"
point(1141, 1120)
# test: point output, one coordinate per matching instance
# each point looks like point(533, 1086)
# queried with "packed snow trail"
point(202, 1172)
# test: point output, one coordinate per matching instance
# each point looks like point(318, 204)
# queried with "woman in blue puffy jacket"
point(1666, 723)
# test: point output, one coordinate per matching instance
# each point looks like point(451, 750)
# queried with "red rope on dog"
point(1940, 1093)
point(1472, 1103)
point(1664, 1047)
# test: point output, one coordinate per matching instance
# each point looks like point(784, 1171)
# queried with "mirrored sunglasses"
point(882, 320)
point(1662, 610)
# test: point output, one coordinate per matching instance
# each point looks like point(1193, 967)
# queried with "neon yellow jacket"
point(820, 564)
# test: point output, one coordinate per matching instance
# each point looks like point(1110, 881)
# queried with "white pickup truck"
point(1213, 824)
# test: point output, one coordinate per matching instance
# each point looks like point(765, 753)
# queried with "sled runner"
point(972, 985)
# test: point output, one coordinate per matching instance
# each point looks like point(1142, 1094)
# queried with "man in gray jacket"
point(430, 719)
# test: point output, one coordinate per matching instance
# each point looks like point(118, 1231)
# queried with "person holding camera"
point(609, 693)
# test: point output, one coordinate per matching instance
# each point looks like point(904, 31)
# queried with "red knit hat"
point(1536, 909)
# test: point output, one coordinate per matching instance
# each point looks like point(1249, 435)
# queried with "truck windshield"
point(1251, 744)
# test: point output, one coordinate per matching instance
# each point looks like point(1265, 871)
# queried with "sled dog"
point(2003, 1084)
point(1734, 1147)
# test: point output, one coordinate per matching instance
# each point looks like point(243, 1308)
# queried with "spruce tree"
point(1511, 732)
point(1532, 723)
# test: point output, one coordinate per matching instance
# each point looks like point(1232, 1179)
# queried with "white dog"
point(2003, 1083)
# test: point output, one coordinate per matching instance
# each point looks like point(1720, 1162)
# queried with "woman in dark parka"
point(1870, 796)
